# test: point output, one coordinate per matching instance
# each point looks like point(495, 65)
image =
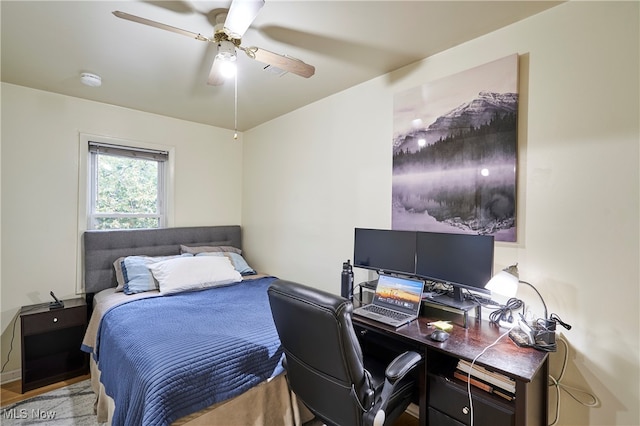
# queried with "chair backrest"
point(323, 357)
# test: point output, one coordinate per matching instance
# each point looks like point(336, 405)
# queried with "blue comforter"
point(163, 358)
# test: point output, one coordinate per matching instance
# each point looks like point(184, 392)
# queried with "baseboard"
point(414, 410)
point(10, 376)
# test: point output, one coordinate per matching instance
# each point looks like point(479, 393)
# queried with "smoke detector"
point(91, 80)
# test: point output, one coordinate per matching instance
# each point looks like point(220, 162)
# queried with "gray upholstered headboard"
point(102, 248)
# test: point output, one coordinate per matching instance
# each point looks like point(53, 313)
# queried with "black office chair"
point(324, 362)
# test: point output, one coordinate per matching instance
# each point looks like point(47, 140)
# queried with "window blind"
point(140, 153)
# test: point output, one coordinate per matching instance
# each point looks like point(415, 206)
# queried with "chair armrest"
point(394, 373)
point(401, 365)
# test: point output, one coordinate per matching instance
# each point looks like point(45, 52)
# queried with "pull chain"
point(235, 112)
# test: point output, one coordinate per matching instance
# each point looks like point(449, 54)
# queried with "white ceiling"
point(47, 44)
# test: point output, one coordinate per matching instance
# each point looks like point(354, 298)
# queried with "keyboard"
point(386, 312)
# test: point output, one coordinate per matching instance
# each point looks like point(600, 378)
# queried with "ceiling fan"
point(229, 29)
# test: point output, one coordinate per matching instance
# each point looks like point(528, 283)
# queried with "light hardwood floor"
point(406, 419)
point(10, 394)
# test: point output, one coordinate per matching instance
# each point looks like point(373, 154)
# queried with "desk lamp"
point(506, 283)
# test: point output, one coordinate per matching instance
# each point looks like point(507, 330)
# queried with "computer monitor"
point(385, 250)
point(462, 260)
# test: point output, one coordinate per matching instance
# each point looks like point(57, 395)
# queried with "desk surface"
point(467, 343)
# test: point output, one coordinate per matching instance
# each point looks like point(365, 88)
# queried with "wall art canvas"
point(455, 153)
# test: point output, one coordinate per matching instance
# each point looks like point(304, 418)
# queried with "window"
point(127, 187)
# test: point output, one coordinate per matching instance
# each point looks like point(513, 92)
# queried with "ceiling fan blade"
point(215, 75)
point(286, 63)
point(155, 24)
point(241, 15)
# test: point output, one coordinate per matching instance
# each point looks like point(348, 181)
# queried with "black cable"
point(542, 331)
point(357, 298)
point(437, 288)
point(13, 332)
point(13, 335)
point(481, 300)
point(556, 318)
point(505, 312)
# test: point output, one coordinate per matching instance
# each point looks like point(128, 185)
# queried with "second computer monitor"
point(462, 260)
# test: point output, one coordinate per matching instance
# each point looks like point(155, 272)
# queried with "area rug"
point(68, 406)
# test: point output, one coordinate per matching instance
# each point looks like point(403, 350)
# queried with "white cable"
point(556, 383)
point(471, 369)
point(592, 402)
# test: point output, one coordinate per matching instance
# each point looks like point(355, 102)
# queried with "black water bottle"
point(347, 280)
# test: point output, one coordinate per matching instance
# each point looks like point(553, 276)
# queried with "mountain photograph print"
point(455, 153)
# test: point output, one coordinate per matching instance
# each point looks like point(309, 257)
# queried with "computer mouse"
point(439, 335)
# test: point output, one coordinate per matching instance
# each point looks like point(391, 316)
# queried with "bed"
point(179, 350)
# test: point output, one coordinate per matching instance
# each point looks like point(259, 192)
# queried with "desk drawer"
point(453, 400)
point(439, 419)
point(56, 319)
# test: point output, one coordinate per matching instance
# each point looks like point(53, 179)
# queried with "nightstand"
point(51, 340)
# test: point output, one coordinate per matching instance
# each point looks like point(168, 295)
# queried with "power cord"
point(542, 333)
point(485, 302)
point(471, 369)
point(545, 333)
point(13, 335)
point(556, 383)
point(505, 312)
point(594, 402)
point(357, 298)
point(437, 288)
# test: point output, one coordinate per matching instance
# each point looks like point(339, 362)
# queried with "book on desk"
point(484, 379)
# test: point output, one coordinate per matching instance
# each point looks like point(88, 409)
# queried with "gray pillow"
point(209, 249)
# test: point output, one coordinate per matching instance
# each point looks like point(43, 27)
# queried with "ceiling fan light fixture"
point(228, 69)
point(91, 80)
point(226, 51)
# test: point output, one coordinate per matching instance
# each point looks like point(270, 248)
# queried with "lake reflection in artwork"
point(457, 172)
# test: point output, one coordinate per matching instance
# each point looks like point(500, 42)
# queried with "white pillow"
point(193, 273)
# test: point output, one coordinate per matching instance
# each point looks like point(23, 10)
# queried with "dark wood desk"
point(443, 400)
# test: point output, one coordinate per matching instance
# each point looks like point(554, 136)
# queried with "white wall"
point(307, 179)
point(312, 176)
point(40, 157)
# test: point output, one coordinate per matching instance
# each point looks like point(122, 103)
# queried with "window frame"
point(100, 148)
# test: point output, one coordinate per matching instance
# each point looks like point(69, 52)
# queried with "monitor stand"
point(370, 286)
point(456, 304)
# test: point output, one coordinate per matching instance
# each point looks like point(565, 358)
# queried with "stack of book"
point(487, 380)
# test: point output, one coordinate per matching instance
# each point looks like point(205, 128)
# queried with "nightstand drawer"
point(54, 320)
